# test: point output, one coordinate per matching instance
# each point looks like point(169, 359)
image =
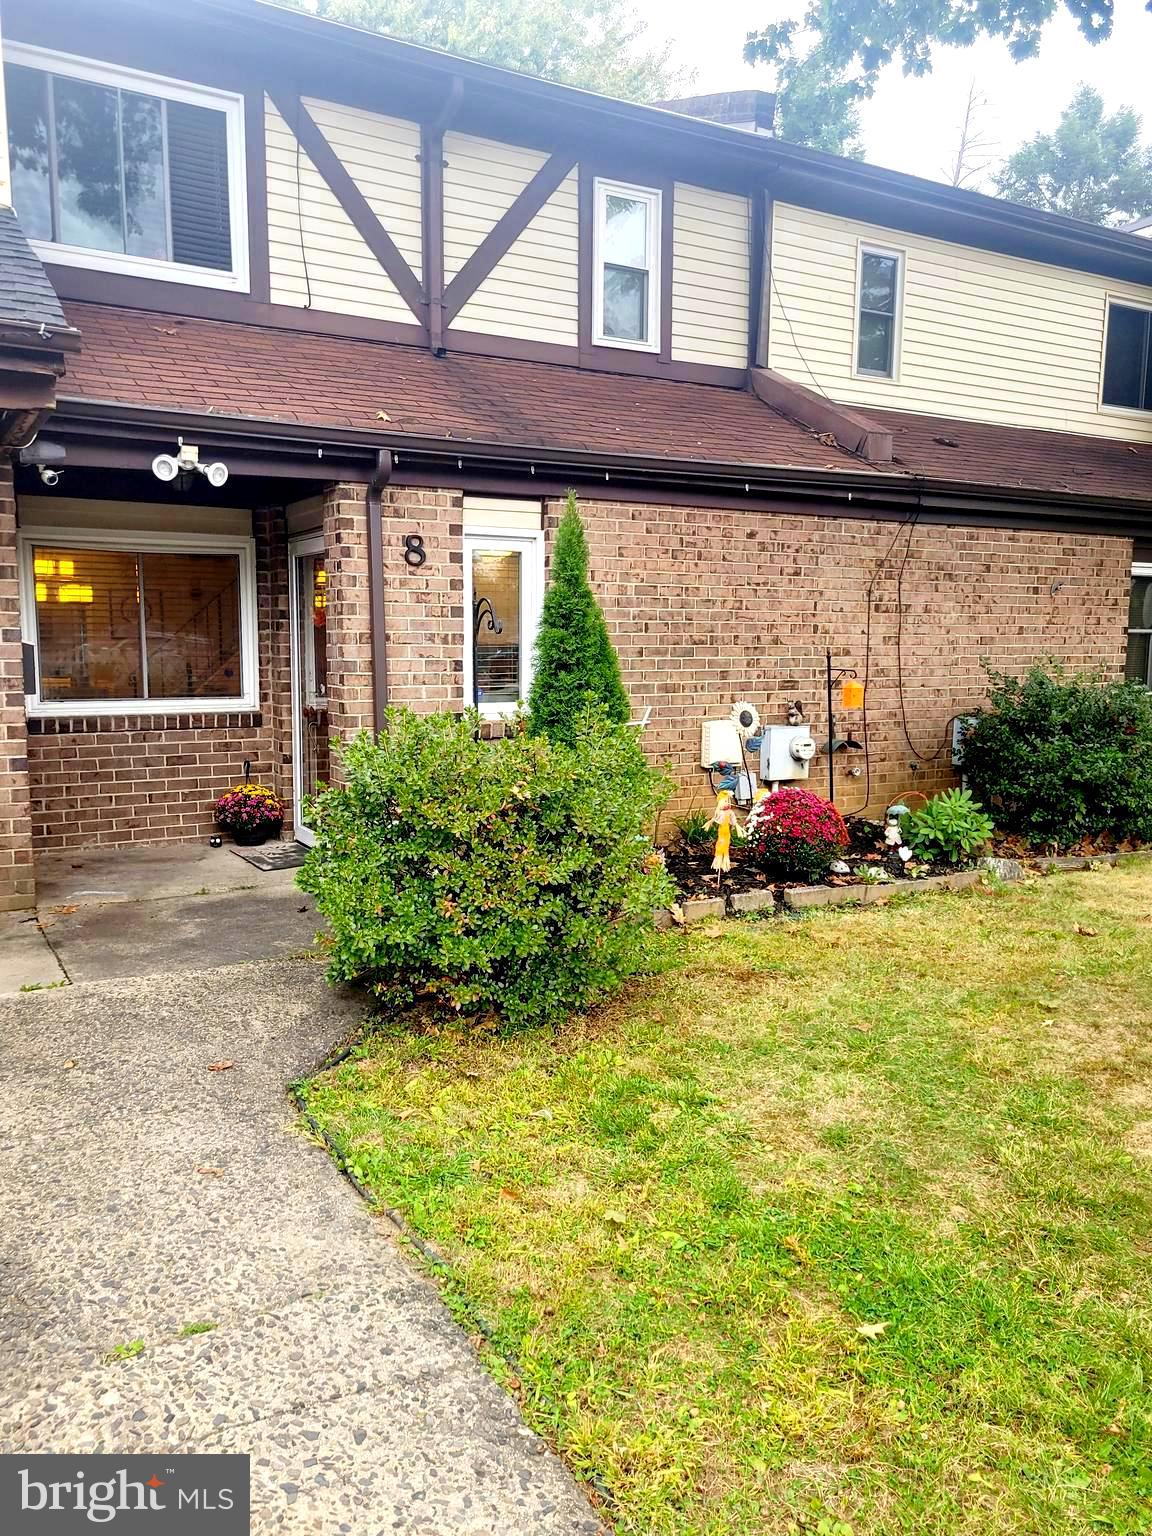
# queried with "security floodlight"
point(216, 474)
point(165, 467)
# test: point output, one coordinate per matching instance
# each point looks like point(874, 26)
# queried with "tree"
point(862, 36)
point(818, 106)
point(576, 663)
point(1092, 167)
point(598, 44)
point(973, 144)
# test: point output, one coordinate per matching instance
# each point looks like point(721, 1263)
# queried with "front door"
point(309, 617)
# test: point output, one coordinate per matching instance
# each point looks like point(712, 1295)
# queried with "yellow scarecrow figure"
point(725, 821)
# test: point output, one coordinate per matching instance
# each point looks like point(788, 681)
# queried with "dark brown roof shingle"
point(137, 357)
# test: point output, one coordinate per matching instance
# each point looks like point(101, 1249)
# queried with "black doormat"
point(270, 856)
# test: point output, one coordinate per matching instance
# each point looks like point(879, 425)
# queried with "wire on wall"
point(792, 333)
point(921, 757)
point(300, 203)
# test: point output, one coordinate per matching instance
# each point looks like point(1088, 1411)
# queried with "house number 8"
point(414, 552)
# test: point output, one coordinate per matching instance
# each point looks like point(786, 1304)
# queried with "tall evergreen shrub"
point(576, 663)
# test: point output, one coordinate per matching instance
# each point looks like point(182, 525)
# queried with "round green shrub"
point(1058, 758)
point(511, 877)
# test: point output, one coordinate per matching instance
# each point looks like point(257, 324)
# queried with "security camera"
point(165, 467)
point(216, 474)
point(48, 476)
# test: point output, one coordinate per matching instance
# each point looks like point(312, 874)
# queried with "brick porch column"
point(349, 617)
point(17, 879)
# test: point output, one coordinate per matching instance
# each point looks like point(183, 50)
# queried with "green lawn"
point(841, 1225)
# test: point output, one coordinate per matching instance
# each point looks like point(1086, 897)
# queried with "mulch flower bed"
point(691, 867)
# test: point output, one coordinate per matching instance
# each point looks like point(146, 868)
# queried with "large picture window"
point(135, 625)
point(115, 169)
point(626, 298)
point(504, 590)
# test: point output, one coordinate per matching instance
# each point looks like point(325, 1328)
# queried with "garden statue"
point(725, 820)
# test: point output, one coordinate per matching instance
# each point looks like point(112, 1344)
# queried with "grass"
point(834, 1226)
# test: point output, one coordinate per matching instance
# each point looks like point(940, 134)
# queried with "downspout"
point(373, 499)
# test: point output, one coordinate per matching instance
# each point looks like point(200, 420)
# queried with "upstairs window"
point(1139, 666)
point(119, 171)
point(626, 285)
point(1128, 358)
point(878, 312)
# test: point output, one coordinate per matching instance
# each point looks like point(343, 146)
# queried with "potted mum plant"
point(252, 813)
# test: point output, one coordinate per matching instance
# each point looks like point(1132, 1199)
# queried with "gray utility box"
point(785, 752)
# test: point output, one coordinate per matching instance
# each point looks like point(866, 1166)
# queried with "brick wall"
point(706, 607)
point(123, 779)
point(17, 882)
point(424, 605)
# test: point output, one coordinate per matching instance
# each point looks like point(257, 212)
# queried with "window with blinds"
point(139, 178)
point(118, 626)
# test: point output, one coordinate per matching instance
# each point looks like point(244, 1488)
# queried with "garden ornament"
point(725, 821)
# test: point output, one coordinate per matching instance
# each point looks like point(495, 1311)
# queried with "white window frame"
point(228, 102)
point(529, 544)
point(601, 190)
point(900, 257)
point(1132, 412)
point(1140, 568)
point(130, 542)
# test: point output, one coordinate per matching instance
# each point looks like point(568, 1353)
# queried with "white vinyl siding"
point(382, 156)
point(533, 292)
point(710, 277)
point(983, 337)
point(482, 179)
point(342, 274)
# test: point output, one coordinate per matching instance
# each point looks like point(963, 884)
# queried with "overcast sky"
point(913, 125)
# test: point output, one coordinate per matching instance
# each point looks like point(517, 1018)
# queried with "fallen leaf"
point(872, 1330)
point(383, 416)
point(615, 1218)
point(1088, 933)
point(207, 1168)
point(221, 1066)
point(677, 912)
point(511, 1194)
point(62, 911)
point(69, 1064)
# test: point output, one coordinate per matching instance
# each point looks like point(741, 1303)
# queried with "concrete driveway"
point(141, 1193)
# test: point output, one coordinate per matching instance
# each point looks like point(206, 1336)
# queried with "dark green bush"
point(512, 877)
point(576, 663)
point(1059, 757)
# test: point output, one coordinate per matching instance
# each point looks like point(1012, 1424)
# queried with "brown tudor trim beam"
point(432, 166)
point(507, 229)
point(850, 428)
point(351, 199)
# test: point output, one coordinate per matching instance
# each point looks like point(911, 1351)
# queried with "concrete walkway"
point(104, 913)
point(142, 1193)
